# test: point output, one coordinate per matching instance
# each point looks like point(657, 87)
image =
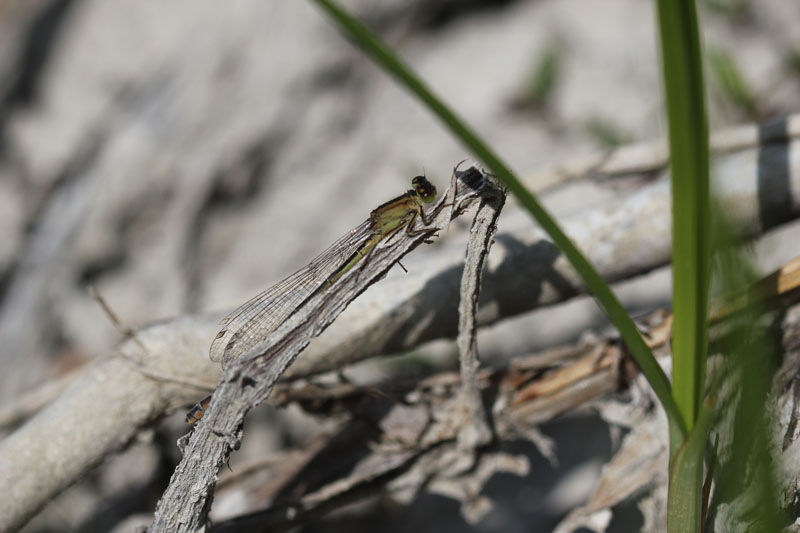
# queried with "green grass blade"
point(386, 59)
point(686, 479)
point(691, 237)
point(732, 84)
point(752, 346)
point(544, 77)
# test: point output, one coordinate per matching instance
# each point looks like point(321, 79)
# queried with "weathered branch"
point(99, 414)
point(476, 431)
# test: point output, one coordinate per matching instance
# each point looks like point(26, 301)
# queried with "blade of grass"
point(751, 343)
point(544, 76)
point(691, 220)
point(732, 84)
point(385, 58)
point(691, 252)
point(684, 511)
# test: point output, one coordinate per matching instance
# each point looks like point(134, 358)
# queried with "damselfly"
point(255, 320)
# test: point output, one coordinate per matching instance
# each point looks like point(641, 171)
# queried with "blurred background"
point(182, 156)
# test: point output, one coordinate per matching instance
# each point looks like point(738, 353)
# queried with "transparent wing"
point(261, 315)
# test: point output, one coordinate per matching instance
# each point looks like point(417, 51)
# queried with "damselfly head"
point(424, 188)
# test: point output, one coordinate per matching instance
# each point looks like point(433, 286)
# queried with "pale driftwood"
point(29, 404)
point(99, 414)
point(652, 156)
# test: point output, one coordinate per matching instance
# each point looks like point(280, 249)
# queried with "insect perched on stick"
point(251, 323)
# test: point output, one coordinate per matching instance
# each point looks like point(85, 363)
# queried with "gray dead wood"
point(652, 156)
point(99, 414)
point(476, 431)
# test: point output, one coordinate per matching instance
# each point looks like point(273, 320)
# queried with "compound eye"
point(424, 188)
